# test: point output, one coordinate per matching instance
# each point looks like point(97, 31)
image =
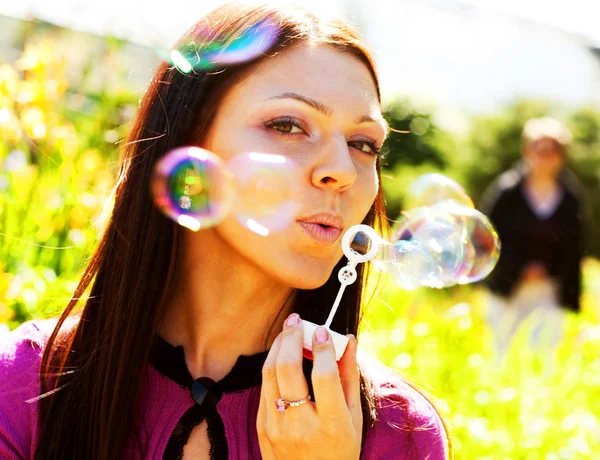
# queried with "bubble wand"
point(347, 275)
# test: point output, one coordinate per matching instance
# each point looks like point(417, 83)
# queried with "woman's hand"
point(328, 428)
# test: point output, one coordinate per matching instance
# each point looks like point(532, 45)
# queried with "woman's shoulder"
point(408, 425)
point(502, 189)
point(21, 351)
point(20, 348)
point(24, 346)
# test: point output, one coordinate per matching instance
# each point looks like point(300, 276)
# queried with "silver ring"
point(282, 404)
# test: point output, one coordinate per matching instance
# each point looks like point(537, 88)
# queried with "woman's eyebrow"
point(307, 100)
point(379, 120)
point(322, 108)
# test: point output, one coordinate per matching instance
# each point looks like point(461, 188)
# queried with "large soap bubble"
point(407, 262)
point(196, 189)
point(439, 240)
point(267, 191)
point(454, 244)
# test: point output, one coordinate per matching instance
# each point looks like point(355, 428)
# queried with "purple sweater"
point(167, 398)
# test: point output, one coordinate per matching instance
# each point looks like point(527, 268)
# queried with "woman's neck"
point(541, 184)
point(224, 307)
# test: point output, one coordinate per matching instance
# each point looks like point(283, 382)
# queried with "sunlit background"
point(461, 76)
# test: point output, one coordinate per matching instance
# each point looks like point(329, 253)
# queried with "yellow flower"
point(9, 81)
point(44, 232)
point(33, 121)
point(78, 217)
point(90, 161)
point(65, 140)
point(29, 60)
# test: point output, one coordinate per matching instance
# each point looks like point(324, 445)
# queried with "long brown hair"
point(99, 363)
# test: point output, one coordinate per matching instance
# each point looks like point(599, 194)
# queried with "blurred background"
point(462, 77)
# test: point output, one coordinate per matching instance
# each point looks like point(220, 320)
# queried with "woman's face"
point(319, 108)
point(544, 157)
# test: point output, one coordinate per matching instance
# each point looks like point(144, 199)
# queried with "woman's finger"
point(269, 391)
point(261, 417)
point(290, 377)
point(350, 378)
point(327, 386)
point(261, 429)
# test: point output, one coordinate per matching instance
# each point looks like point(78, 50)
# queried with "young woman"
point(188, 339)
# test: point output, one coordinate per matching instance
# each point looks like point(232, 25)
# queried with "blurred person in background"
point(536, 210)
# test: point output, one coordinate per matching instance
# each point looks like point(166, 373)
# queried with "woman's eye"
point(365, 146)
point(285, 126)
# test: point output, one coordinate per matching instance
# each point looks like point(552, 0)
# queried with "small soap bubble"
point(267, 191)
point(193, 187)
point(430, 189)
point(206, 53)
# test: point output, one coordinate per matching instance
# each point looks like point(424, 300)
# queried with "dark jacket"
point(556, 242)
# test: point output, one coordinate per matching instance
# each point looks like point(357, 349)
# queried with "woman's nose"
point(334, 167)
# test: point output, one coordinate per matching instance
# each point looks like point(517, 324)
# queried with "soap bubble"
point(267, 191)
point(441, 242)
point(406, 261)
point(461, 243)
point(433, 188)
point(442, 237)
point(196, 189)
point(207, 53)
point(484, 243)
point(193, 187)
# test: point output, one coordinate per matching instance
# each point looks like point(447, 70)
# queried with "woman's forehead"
point(545, 144)
point(334, 78)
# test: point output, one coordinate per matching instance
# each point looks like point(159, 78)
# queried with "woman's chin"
point(310, 284)
point(307, 280)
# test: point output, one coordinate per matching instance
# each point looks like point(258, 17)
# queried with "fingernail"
point(321, 335)
point(293, 320)
point(354, 343)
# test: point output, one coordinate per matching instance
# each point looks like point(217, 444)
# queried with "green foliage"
point(584, 159)
point(415, 145)
point(495, 143)
point(411, 141)
point(59, 164)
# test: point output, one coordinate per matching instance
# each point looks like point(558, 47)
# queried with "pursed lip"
point(326, 219)
point(323, 227)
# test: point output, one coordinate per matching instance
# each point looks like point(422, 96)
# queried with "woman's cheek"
point(370, 181)
point(363, 192)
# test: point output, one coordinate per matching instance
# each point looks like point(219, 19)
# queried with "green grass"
point(524, 406)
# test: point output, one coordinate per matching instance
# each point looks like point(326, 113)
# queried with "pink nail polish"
point(293, 320)
point(321, 335)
